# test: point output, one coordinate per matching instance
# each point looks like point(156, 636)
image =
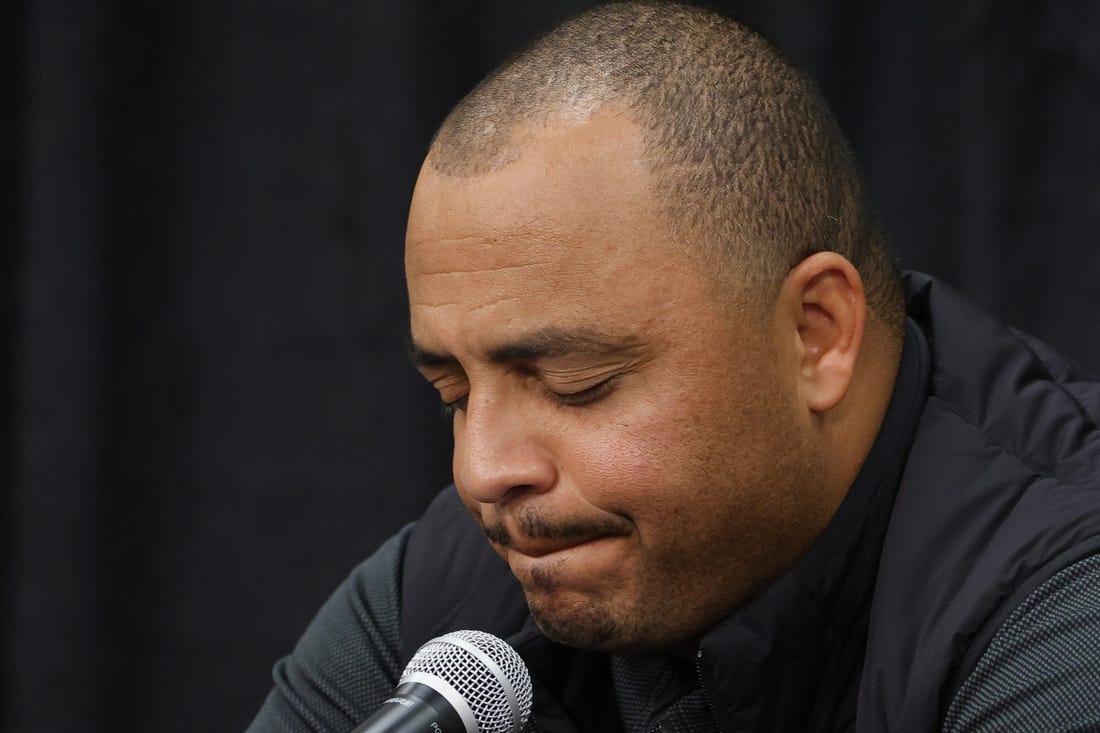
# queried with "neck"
point(850, 429)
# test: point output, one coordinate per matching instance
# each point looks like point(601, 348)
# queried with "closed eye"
point(448, 409)
point(585, 396)
point(565, 399)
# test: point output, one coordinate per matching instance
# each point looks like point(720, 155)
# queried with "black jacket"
point(983, 483)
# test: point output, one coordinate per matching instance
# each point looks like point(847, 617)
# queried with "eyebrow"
point(547, 343)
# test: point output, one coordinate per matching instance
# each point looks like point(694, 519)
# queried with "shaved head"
point(632, 264)
point(752, 172)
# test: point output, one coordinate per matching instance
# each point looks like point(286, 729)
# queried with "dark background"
point(208, 417)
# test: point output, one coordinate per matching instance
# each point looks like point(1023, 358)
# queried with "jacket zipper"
point(708, 698)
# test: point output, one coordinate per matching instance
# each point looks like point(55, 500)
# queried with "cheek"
point(643, 465)
point(702, 454)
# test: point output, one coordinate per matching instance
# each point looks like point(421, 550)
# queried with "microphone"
point(461, 682)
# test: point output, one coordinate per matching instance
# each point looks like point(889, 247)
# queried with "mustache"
point(534, 524)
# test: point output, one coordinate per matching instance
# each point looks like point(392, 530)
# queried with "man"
point(727, 482)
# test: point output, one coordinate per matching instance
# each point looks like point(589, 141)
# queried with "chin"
point(591, 627)
point(578, 625)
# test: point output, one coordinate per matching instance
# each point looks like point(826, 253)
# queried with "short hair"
point(754, 169)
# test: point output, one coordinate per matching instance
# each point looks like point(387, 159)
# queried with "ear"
point(822, 299)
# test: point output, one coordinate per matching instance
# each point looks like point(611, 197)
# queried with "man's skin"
point(643, 453)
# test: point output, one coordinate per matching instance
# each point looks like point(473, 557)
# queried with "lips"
point(532, 532)
point(543, 547)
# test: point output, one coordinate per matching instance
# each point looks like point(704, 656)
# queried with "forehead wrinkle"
point(477, 270)
point(473, 310)
point(492, 303)
point(472, 255)
point(490, 227)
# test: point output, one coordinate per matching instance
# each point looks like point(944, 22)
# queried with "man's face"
point(630, 446)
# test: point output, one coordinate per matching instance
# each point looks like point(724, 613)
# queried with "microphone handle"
point(414, 708)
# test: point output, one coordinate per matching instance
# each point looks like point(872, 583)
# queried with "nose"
point(499, 452)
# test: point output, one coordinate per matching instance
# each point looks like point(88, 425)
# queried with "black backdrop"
point(208, 416)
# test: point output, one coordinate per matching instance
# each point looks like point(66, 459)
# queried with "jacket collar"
point(791, 658)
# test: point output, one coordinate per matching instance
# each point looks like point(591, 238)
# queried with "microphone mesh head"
point(474, 680)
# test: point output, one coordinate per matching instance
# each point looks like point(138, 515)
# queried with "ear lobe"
point(825, 297)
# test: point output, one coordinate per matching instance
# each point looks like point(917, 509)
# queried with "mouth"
point(579, 565)
point(543, 547)
point(533, 535)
